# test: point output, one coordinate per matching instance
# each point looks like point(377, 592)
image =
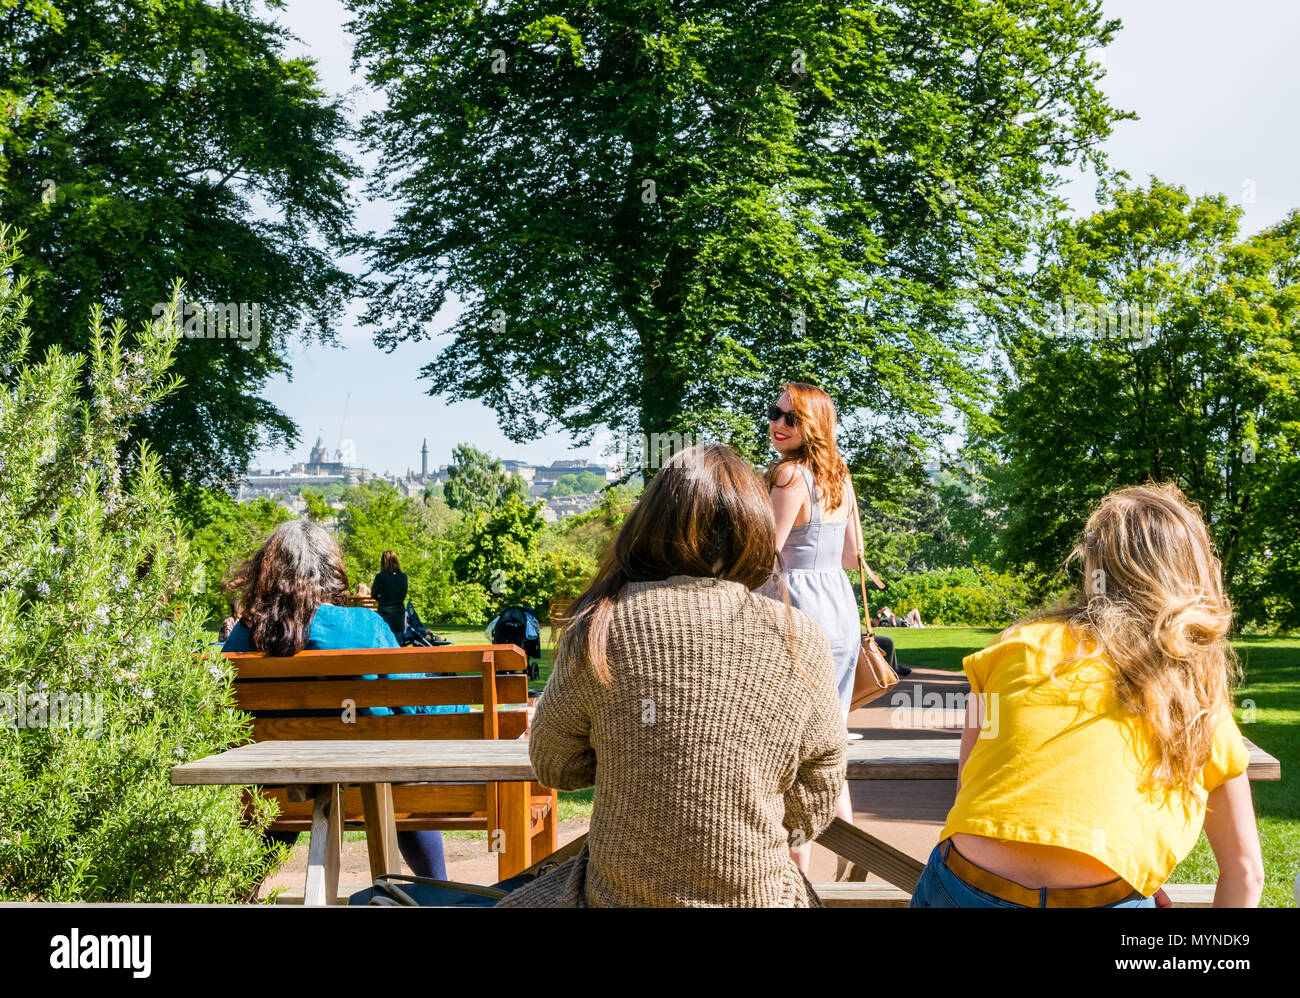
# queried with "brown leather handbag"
point(873, 677)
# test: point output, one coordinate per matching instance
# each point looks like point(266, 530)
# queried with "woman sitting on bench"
point(293, 591)
point(704, 712)
point(1099, 738)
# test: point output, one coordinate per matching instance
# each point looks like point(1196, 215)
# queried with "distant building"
point(323, 462)
point(321, 469)
point(562, 507)
point(521, 468)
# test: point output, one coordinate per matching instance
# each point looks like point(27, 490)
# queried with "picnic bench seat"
point(520, 818)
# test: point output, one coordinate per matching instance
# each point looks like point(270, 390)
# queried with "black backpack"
point(517, 625)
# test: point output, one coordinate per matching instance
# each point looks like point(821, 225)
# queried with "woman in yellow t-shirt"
point(1099, 738)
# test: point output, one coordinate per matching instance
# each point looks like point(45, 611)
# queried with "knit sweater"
point(711, 751)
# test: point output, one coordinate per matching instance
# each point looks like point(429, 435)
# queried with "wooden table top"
point(275, 763)
point(362, 761)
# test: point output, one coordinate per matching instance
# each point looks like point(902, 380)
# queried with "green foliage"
point(586, 483)
point(1207, 396)
point(423, 533)
point(318, 507)
point(657, 212)
point(561, 575)
point(137, 139)
point(442, 599)
point(96, 609)
point(500, 548)
point(477, 482)
point(978, 596)
point(591, 533)
point(503, 553)
point(225, 535)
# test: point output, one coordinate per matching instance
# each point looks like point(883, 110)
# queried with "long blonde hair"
point(816, 414)
point(1152, 602)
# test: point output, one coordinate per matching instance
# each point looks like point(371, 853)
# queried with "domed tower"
point(318, 454)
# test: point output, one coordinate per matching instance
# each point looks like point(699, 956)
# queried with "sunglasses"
point(775, 414)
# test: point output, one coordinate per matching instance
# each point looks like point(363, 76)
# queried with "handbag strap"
point(862, 561)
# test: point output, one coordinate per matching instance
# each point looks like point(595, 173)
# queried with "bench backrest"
point(491, 678)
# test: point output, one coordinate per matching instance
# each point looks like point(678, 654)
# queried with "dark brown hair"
point(388, 562)
point(705, 514)
point(294, 572)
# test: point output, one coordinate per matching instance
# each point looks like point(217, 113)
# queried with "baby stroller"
point(517, 625)
point(416, 634)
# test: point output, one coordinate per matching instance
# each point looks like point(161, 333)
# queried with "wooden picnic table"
point(320, 770)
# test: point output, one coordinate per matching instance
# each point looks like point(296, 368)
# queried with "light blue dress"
point(818, 585)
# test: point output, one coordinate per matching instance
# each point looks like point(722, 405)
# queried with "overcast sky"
point(1214, 85)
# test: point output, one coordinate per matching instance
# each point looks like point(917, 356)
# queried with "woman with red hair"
point(817, 533)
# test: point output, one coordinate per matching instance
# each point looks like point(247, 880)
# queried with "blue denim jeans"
point(421, 850)
point(939, 887)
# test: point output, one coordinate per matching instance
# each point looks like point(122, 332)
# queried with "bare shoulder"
point(787, 476)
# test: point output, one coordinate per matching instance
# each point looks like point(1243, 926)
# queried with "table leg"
point(514, 843)
point(325, 846)
point(381, 828)
point(892, 865)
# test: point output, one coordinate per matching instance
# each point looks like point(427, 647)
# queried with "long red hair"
point(817, 417)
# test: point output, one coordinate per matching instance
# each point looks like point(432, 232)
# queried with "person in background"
point(294, 590)
point(703, 711)
point(389, 591)
point(363, 590)
point(1099, 737)
point(818, 535)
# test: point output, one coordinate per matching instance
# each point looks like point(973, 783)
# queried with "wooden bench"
point(520, 818)
point(367, 601)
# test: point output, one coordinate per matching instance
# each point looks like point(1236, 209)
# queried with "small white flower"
point(147, 693)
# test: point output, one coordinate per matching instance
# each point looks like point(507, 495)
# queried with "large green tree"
point(478, 482)
point(656, 211)
point(143, 141)
point(1163, 346)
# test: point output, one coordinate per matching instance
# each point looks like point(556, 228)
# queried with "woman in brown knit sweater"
point(703, 712)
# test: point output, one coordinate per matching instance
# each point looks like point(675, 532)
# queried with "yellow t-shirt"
point(1060, 763)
